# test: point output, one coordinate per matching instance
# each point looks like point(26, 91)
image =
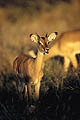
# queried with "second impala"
point(66, 45)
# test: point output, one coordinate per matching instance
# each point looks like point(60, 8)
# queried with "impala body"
point(29, 69)
point(66, 45)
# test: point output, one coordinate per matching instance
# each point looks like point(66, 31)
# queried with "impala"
point(30, 69)
point(66, 45)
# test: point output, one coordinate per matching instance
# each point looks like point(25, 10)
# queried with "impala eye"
point(48, 42)
point(41, 43)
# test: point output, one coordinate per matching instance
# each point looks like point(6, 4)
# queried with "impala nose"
point(47, 50)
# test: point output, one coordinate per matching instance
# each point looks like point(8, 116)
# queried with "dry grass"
point(16, 23)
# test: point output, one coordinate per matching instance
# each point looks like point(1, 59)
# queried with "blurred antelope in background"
point(66, 45)
point(30, 69)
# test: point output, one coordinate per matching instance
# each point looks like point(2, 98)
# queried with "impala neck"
point(52, 52)
point(39, 61)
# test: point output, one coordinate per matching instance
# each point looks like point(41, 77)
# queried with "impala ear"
point(46, 35)
point(52, 36)
point(34, 37)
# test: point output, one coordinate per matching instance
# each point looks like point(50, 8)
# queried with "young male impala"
point(66, 45)
point(29, 69)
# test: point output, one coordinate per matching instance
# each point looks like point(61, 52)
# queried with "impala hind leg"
point(37, 89)
point(66, 63)
point(25, 94)
point(74, 61)
point(29, 93)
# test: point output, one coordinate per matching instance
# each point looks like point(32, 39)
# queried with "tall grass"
point(17, 20)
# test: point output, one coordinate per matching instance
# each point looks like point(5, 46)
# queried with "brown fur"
point(66, 45)
point(29, 69)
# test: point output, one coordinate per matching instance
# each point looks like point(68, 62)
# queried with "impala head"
point(43, 42)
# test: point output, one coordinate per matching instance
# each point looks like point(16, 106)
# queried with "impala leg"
point(74, 61)
point(29, 92)
point(25, 94)
point(37, 89)
point(66, 63)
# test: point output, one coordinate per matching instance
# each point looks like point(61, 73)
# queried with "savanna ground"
point(17, 20)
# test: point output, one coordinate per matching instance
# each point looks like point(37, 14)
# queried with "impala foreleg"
point(37, 89)
point(29, 93)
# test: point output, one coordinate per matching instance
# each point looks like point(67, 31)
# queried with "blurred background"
point(19, 18)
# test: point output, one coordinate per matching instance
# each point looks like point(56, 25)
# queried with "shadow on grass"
point(62, 103)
